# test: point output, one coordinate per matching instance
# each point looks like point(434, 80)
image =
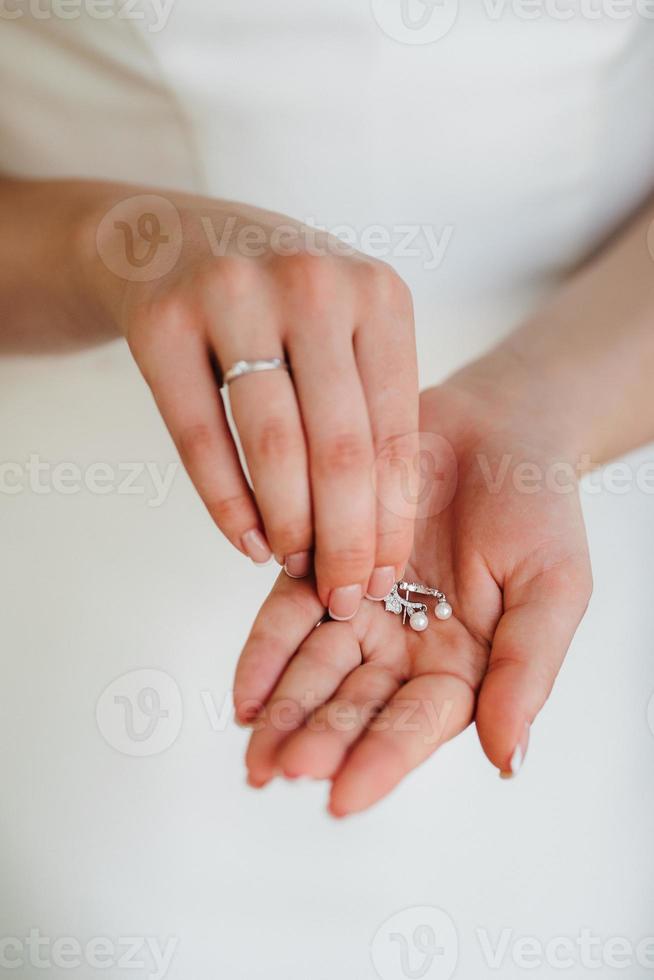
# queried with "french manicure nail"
point(381, 582)
point(256, 547)
point(297, 565)
point(517, 759)
point(344, 602)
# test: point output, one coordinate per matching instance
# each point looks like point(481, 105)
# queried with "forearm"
point(44, 305)
point(584, 364)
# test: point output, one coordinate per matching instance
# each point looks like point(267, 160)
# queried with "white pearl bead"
point(419, 622)
point(443, 610)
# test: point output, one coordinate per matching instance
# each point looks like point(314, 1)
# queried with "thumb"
point(530, 643)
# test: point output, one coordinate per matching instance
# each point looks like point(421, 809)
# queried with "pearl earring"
point(416, 611)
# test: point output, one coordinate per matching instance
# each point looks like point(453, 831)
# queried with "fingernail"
point(381, 582)
point(297, 566)
point(344, 602)
point(256, 783)
point(256, 547)
point(517, 759)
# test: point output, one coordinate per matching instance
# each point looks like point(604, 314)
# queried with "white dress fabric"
point(516, 144)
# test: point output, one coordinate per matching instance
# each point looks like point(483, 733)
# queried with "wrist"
point(517, 391)
point(98, 257)
point(43, 274)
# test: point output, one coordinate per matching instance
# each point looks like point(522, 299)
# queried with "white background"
point(531, 143)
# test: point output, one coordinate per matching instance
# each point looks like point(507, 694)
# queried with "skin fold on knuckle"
point(234, 515)
point(159, 327)
point(307, 282)
point(397, 449)
point(277, 441)
point(381, 286)
point(229, 281)
point(288, 536)
point(341, 454)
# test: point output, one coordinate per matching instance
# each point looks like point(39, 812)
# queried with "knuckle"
point(342, 453)
point(167, 316)
point(384, 285)
point(586, 583)
point(171, 313)
point(395, 448)
point(231, 513)
point(277, 441)
point(309, 276)
point(195, 441)
point(229, 280)
point(289, 535)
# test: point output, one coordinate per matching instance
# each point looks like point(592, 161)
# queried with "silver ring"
point(241, 368)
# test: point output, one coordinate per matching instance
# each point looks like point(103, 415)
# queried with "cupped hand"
point(499, 531)
point(250, 284)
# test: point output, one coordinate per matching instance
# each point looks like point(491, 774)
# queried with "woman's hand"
point(311, 440)
point(363, 703)
point(195, 285)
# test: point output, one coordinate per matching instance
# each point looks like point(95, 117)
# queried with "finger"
point(179, 372)
point(336, 422)
point(287, 617)
point(324, 659)
point(267, 416)
point(318, 748)
point(425, 713)
point(386, 355)
point(243, 323)
point(530, 643)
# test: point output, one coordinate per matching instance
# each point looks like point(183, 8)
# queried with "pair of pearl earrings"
point(416, 611)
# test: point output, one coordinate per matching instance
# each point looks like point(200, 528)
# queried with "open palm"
point(362, 703)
